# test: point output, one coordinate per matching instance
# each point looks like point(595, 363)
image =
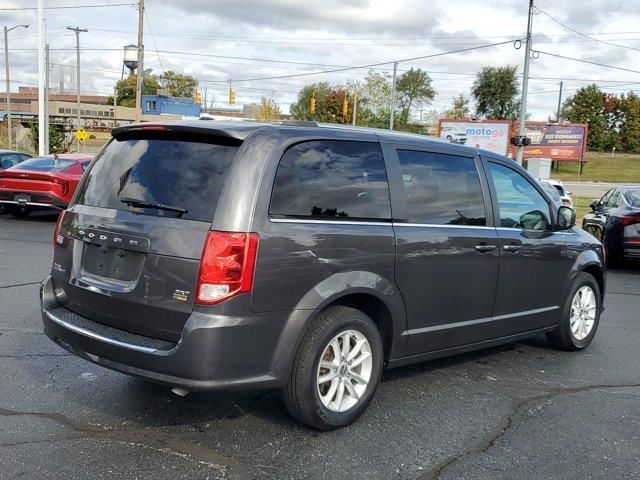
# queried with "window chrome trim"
point(97, 336)
point(384, 223)
point(328, 222)
point(438, 225)
point(479, 320)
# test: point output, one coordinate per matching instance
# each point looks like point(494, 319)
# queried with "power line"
point(154, 42)
point(587, 61)
point(261, 39)
point(374, 64)
point(584, 34)
point(63, 7)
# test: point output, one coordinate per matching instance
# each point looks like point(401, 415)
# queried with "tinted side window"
point(7, 161)
point(520, 205)
point(442, 189)
point(614, 199)
point(330, 178)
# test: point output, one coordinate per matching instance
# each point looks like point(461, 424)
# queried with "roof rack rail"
point(300, 123)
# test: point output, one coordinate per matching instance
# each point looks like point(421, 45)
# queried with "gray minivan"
point(309, 258)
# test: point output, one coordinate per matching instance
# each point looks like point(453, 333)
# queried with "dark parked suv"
point(309, 258)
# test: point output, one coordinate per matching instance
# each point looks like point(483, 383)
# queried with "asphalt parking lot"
point(518, 411)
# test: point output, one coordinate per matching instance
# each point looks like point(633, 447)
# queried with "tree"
point(460, 107)
point(588, 106)
point(329, 99)
point(374, 100)
point(630, 130)
point(55, 138)
point(413, 89)
point(495, 91)
point(269, 111)
point(179, 85)
point(126, 88)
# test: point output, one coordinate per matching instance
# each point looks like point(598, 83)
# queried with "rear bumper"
point(214, 352)
point(38, 200)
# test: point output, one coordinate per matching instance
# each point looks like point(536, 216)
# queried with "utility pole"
point(355, 107)
point(46, 100)
point(559, 103)
point(522, 128)
point(6, 76)
point(41, 75)
point(392, 107)
point(140, 69)
point(77, 31)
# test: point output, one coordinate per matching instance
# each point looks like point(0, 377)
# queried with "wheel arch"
point(368, 292)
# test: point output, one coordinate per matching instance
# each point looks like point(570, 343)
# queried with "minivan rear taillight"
point(227, 266)
point(57, 238)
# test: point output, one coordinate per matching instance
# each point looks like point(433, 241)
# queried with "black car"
point(309, 258)
point(615, 221)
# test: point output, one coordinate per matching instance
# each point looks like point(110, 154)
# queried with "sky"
point(252, 41)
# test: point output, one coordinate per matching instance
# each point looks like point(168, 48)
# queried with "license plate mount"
point(22, 198)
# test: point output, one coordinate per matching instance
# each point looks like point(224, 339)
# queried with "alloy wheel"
point(344, 371)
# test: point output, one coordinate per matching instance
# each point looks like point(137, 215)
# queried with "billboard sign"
point(555, 141)
point(492, 135)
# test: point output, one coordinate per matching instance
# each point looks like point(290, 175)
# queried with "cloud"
point(344, 16)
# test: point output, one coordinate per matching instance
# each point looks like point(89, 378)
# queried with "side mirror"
point(594, 205)
point(566, 218)
point(534, 220)
point(568, 193)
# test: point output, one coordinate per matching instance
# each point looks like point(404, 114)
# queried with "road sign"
point(81, 135)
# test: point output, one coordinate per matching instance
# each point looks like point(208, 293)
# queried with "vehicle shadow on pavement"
point(45, 216)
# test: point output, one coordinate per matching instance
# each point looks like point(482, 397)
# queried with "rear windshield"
point(43, 164)
point(633, 197)
point(185, 172)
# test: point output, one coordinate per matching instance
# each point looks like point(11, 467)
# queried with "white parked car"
point(453, 134)
point(565, 195)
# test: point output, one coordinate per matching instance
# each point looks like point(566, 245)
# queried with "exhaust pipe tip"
point(181, 392)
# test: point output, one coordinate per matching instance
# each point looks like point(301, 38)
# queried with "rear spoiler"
point(205, 129)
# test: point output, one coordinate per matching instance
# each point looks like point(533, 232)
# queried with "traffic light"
point(232, 96)
point(345, 108)
point(198, 97)
point(312, 105)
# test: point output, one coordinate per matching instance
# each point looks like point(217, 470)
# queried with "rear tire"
point(336, 393)
point(580, 316)
point(20, 212)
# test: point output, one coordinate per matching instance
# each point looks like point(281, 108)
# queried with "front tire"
point(336, 370)
point(580, 316)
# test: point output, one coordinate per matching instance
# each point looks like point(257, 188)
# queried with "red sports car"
point(41, 182)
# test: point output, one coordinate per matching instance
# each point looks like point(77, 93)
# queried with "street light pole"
point(77, 31)
point(41, 75)
point(392, 107)
point(522, 128)
point(8, 83)
point(140, 67)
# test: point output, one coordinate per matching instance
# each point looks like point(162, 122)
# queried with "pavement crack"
point(38, 355)
point(509, 420)
point(54, 417)
point(149, 438)
point(624, 293)
point(20, 284)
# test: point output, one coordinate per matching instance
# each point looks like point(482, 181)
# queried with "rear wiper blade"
point(134, 202)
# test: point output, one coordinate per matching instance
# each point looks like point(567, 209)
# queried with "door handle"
point(483, 247)
point(512, 248)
